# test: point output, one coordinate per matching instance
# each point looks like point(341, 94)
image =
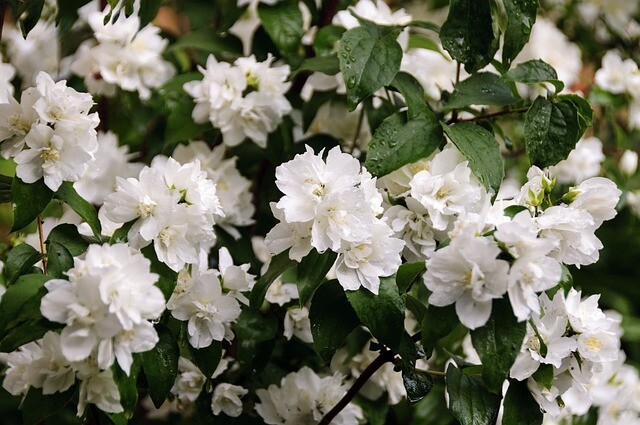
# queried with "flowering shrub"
point(315, 212)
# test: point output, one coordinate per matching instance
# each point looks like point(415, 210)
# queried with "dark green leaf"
point(413, 95)
point(498, 343)
point(399, 141)
point(438, 322)
point(469, 400)
point(327, 38)
point(520, 408)
point(29, 13)
point(512, 210)
point(28, 201)
point(148, 11)
point(207, 358)
point(59, 259)
point(167, 278)
point(482, 151)
point(544, 375)
point(19, 261)
point(25, 333)
point(208, 41)
point(278, 265)
point(585, 113)
point(161, 365)
point(68, 14)
point(127, 385)
point(312, 271)
point(551, 131)
point(369, 59)
point(425, 25)
point(17, 294)
point(483, 88)
point(407, 274)
point(416, 307)
point(326, 64)
point(252, 329)
point(375, 411)
point(283, 23)
point(67, 194)
point(68, 235)
point(332, 319)
point(417, 384)
point(180, 125)
point(469, 34)
point(121, 234)
point(383, 313)
point(37, 407)
point(534, 72)
point(521, 15)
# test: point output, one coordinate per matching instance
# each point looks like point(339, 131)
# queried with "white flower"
point(583, 162)
point(232, 189)
point(189, 382)
point(293, 236)
point(208, 311)
point(110, 161)
point(363, 263)
point(413, 225)
point(123, 55)
point(447, 188)
point(17, 378)
point(305, 397)
point(435, 71)
point(538, 183)
point(296, 323)
point(100, 389)
point(235, 279)
point(397, 182)
point(616, 74)
point(226, 399)
point(281, 293)
point(628, 162)
point(467, 273)
point(51, 371)
point(597, 196)
point(243, 100)
point(7, 72)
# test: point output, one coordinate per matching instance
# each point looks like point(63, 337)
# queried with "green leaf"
point(383, 314)
point(332, 319)
point(437, 323)
point(180, 125)
point(148, 11)
point(28, 201)
point(161, 365)
point(67, 194)
point(520, 408)
point(426, 25)
point(498, 343)
point(399, 141)
point(413, 95)
point(29, 13)
point(482, 151)
point(544, 375)
point(369, 59)
point(121, 233)
point(469, 33)
point(20, 259)
point(277, 266)
point(416, 307)
point(25, 333)
point(312, 271)
point(469, 400)
point(326, 41)
point(208, 41)
point(127, 385)
point(585, 112)
point(417, 384)
point(325, 64)
point(521, 15)
point(283, 23)
point(483, 88)
point(534, 71)
point(59, 259)
point(512, 210)
point(252, 329)
point(68, 235)
point(207, 358)
point(551, 131)
point(167, 279)
point(17, 294)
point(407, 274)
point(68, 14)
point(37, 407)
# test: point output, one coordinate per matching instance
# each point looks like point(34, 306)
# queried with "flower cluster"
point(618, 76)
point(123, 55)
point(574, 339)
point(334, 205)
point(172, 205)
point(243, 100)
point(303, 397)
point(50, 133)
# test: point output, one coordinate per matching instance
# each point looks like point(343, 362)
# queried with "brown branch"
point(3, 11)
point(454, 113)
point(43, 249)
point(491, 115)
point(328, 12)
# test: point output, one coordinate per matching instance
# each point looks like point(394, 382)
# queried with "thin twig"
point(43, 249)
point(358, 127)
point(491, 115)
point(454, 113)
point(3, 10)
point(384, 357)
point(328, 12)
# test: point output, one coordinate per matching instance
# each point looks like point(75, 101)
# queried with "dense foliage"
point(314, 212)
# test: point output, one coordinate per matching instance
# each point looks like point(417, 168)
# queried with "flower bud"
point(629, 162)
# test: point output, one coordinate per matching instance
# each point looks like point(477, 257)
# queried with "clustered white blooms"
point(232, 188)
point(334, 205)
point(242, 100)
point(574, 339)
point(620, 76)
point(107, 306)
point(7, 72)
point(582, 163)
point(123, 55)
point(303, 397)
point(172, 205)
point(50, 133)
